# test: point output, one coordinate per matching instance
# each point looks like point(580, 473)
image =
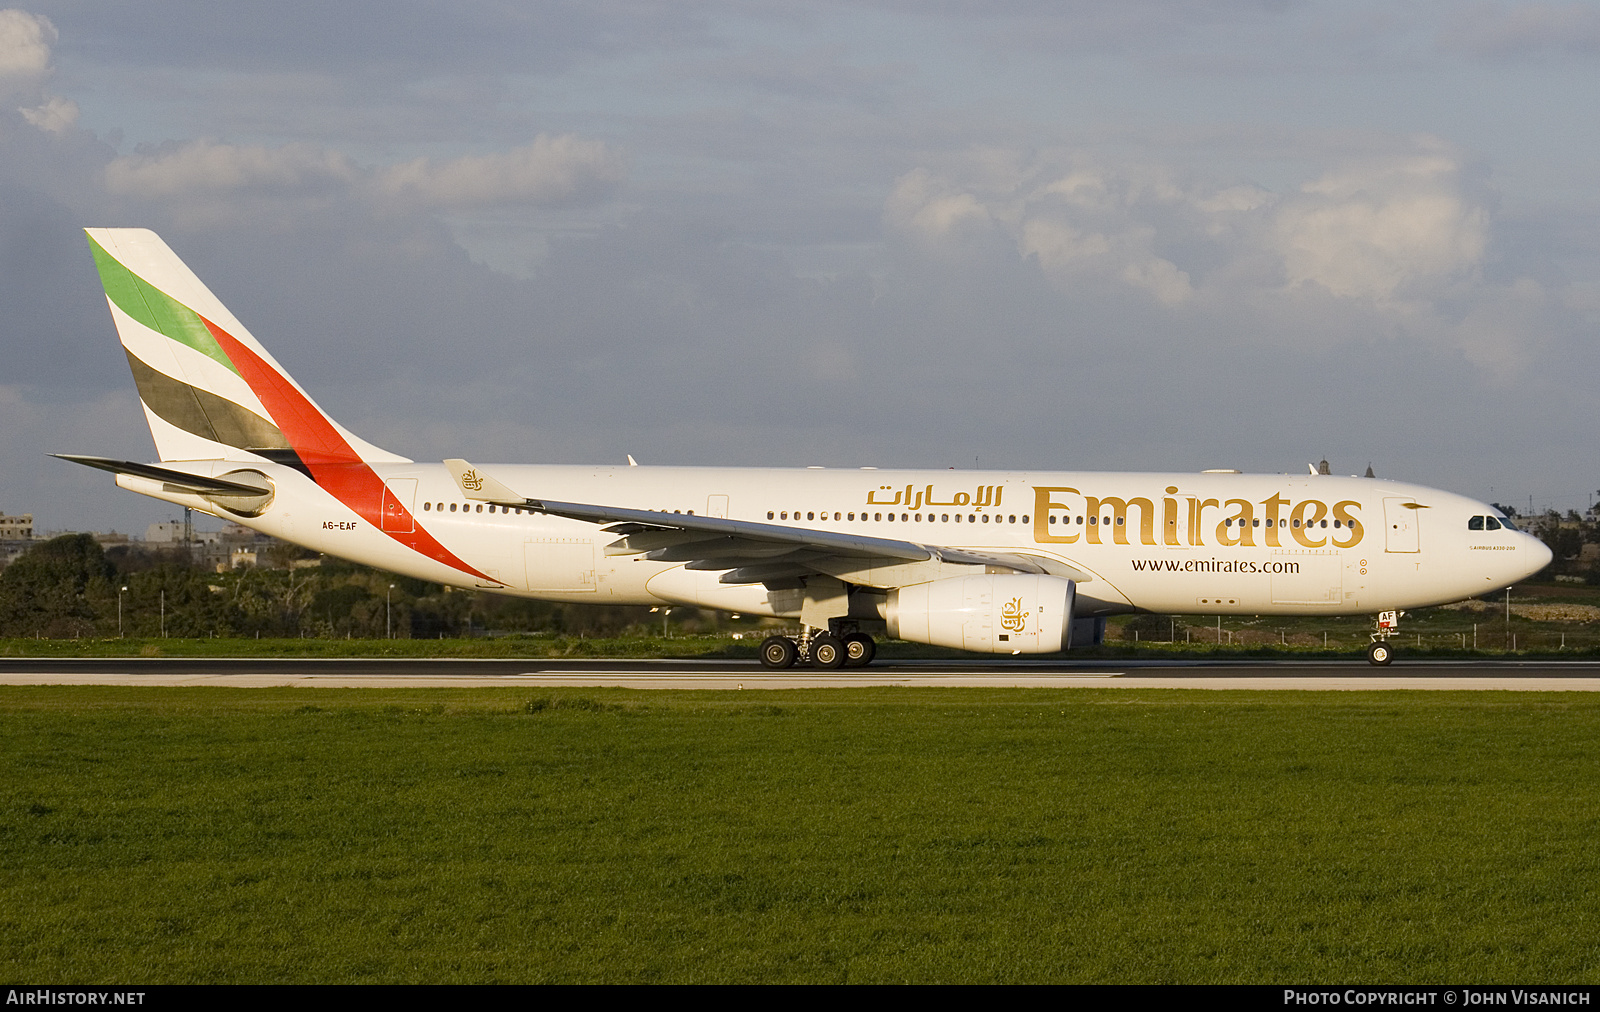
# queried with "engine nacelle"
point(1012, 613)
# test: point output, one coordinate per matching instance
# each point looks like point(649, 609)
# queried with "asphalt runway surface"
point(1355, 674)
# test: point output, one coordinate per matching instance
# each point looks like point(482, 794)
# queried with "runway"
point(1353, 675)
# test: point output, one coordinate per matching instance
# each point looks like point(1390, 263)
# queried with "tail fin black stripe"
point(203, 413)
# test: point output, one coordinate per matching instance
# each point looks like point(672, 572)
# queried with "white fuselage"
point(1209, 543)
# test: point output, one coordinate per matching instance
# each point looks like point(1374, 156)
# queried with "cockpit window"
point(1491, 524)
point(1507, 524)
point(1475, 524)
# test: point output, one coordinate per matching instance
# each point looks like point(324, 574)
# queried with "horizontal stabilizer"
point(178, 481)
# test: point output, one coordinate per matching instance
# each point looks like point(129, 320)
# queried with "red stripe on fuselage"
point(334, 466)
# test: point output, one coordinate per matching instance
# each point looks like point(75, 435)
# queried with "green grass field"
point(232, 835)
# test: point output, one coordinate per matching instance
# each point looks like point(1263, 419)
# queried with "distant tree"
point(58, 589)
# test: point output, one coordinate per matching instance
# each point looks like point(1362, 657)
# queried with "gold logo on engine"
point(1012, 617)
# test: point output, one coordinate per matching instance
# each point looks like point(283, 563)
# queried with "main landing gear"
point(1379, 652)
point(820, 649)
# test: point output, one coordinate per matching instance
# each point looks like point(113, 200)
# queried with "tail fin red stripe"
point(334, 465)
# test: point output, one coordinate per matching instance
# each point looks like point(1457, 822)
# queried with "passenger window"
point(452, 507)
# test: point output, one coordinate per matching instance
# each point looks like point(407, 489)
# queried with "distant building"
point(170, 532)
point(16, 528)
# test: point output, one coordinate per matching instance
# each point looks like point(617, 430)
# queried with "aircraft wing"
point(747, 551)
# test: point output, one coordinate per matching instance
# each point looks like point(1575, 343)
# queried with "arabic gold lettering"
point(1012, 617)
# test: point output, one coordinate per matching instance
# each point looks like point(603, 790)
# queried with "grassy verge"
point(847, 835)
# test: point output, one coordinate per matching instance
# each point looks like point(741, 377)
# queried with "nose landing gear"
point(1379, 652)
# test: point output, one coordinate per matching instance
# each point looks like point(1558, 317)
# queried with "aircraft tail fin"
point(209, 389)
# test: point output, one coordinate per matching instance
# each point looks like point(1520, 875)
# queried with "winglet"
point(478, 486)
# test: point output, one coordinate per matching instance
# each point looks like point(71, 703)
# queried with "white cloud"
point(55, 116)
point(551, 170)
point(1382, 230)
point(934, 210)
point(206, 168)
point(25, 41)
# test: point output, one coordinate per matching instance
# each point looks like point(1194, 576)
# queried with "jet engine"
point(1000, 613)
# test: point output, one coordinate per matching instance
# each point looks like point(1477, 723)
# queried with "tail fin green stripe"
point(154, 308)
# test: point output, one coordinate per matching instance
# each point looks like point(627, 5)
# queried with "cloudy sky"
point(1173, 234)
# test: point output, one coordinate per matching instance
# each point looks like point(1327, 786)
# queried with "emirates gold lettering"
point(1197, 514)
point(1044, 504)
point(1273, 505)
point(1351, 524)
point(1111, 519)
point(1238, 529)
point(1304, 518)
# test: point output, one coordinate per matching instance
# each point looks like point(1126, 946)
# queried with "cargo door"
point(560, 565)
point(1307, 576)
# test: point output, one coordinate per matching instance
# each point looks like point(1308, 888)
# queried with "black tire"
point(1380, 653)
point(859, 650)
point(827, 651)
point(778, 652)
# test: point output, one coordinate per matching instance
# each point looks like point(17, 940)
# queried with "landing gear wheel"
point(1380, 653)
point(827, 651)
point(778, 652)
point(859, 650)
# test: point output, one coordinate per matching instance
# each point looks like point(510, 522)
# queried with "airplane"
point(998, 562)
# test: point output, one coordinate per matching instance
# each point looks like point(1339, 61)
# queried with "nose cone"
point(1538, 557)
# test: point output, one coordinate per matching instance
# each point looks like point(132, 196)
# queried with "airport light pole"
point(120, 592)
point(388, 611)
